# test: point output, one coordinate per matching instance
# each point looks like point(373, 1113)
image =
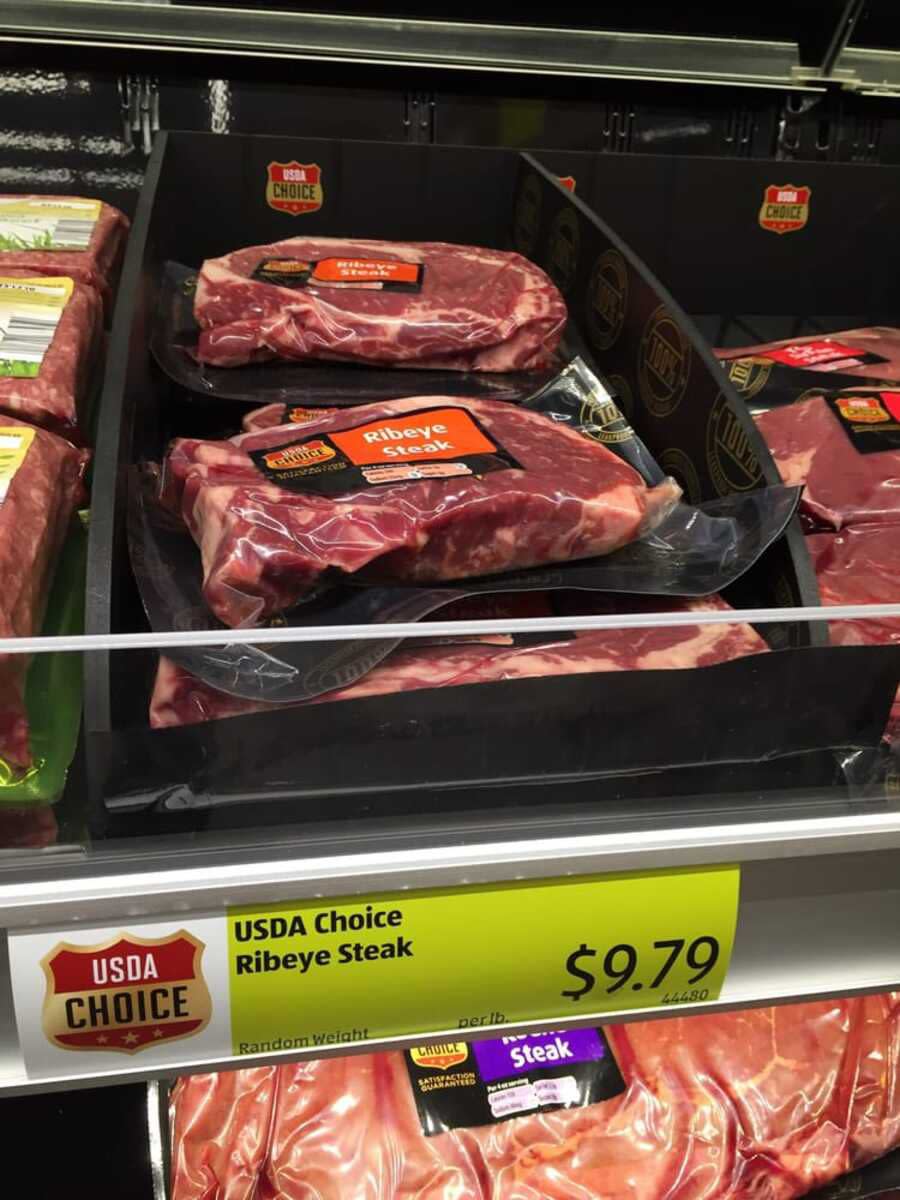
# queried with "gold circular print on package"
point(607, 299)
point(565, 243)
point(733, 465)
point(749, 375)
point(528, 215)
point(664, 363)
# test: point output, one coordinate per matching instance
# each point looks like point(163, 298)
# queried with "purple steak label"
point(505, 1058)
point(499, 1079)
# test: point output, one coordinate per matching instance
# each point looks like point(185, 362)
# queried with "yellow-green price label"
point(333, 972)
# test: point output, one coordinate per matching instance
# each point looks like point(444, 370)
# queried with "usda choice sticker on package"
point(44, 223)
point(30, 310)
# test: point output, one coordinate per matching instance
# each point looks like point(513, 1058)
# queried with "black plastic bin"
point(205, 195)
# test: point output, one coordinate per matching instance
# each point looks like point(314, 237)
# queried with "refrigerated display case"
point(352, 831)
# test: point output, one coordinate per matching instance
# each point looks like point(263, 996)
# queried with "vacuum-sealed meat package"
point(844, 447)
point(416, 490)
point(873, 352)
point(861, 565)
point(765, 1104)
point(180, 698)
point(424, 304)
point(62, 235)
point(49, 331)
point(40, 485)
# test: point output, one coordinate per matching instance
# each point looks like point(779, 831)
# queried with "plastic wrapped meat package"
point(842, 485)
point(40, 486)
point(180, 698)
point(418, 490)
point(49, 335)
point(870, 353)
point(424, 304)
point(62, 235)
point(861, 565)
point(766, 1104)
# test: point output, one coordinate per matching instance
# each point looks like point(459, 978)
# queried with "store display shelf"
point(819, 900)
point(872, 72)
point(403, 42)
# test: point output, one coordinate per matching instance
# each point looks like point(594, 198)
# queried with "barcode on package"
point(72, 234)
point(30, 311)
point(27, 339)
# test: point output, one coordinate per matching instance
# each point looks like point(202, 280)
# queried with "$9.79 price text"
point(674, 963)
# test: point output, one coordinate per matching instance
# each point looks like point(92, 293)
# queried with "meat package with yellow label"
point(40, 486)
point(62, 235)
point(418, 490)
point(50, 328)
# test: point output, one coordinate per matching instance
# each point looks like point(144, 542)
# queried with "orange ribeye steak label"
point(430, 443)
point(355, 274)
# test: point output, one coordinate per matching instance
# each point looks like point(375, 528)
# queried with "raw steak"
point(34, 515)
point(179, 698)
point(758, 1105)
point(471, 309)
point(861, 565)
point(833, 352)
point(55, 396)
point(264, 547)
point(843, 486)
point(96, 265)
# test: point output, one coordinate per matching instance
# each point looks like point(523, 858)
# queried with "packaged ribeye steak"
point(421, 489)
point(49, 331)
point(861, 565)
point(423, 304)
point(62, 235)
point(764, 1104)
point(774, 373)
point(844, 448)
point(40, 485)
point(873, 352)
point(180, 698)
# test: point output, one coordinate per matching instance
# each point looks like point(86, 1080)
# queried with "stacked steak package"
point(840, 441)
point(422, 491)
point(58, 260)
point(345, 503)
point(767, 1104)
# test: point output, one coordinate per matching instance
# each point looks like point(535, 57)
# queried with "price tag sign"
point(333, 972)
point(319, 973)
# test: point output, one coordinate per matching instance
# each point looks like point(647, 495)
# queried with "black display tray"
point(205, 195)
